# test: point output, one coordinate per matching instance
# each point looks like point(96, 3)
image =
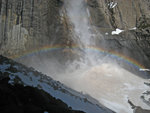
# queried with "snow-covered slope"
point(19, 74)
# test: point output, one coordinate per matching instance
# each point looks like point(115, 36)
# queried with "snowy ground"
point(32, 78)
point(110, 85)
point(102, 79)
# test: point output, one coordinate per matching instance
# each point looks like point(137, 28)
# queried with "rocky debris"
point(137, 109)
point(146, 95)
point(140, 110)
point(148, 84)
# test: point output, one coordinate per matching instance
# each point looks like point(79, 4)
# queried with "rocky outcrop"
point(137, 109)
point(28, 99)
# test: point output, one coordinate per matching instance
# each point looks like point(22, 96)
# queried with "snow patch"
point(112, 4)
point(117, 32)
point(134, 28)
point(72, 98)
point(129, 86)
point(3, 67)
point(106, 33)
point(115, 106)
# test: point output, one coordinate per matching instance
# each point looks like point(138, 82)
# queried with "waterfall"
point(102, 79)
point(93, 74)
point(79, 16)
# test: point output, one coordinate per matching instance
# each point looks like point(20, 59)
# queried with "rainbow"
point(113, 54)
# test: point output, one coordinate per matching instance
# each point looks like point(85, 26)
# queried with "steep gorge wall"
point(29, 24)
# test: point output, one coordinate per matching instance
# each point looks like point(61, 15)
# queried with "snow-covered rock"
point(28, 77)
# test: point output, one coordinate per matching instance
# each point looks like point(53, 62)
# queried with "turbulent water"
point(93, 74)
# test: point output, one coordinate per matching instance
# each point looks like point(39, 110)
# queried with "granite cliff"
point(90, 38)
point(29, 24)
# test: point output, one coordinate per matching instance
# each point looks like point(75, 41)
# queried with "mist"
point(95, 74)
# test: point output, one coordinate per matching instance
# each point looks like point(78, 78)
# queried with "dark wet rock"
point(20, 96)
point(140, 110)
point(19, 99)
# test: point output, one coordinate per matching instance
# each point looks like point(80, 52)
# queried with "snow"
point(74, 102)
point(144, 69)
point(129, 86)
point(114, 106)
point(134, 28)
point(11, 81)
point(45, 112)
point(117, 32)
point(3, 67)
point(106, 33)
point(112, 5)
point(146, 95)
point(111, 85)
point(72, 98)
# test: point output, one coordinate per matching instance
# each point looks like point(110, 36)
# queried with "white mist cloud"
point(110, 85)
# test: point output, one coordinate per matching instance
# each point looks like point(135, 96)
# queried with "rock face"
point(132, 16)
point(122, 14)
point(29, 24)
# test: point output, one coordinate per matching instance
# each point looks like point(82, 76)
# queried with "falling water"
point(78, 14)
